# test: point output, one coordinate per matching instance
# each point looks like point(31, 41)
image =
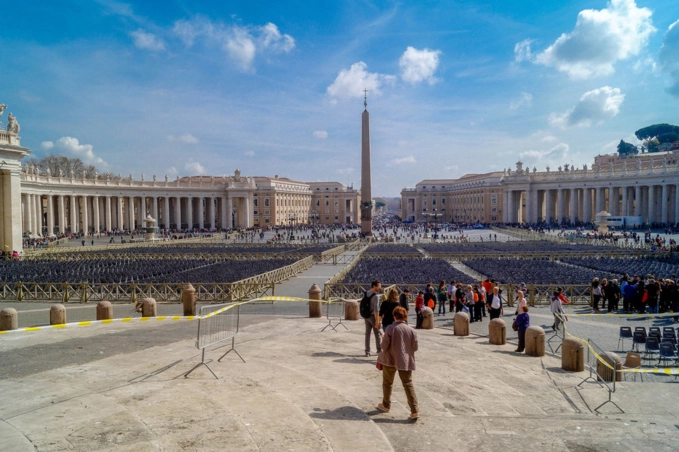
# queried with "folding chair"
point(654, 331)
point(669, 334)
point(625, 333)
point(638, 339)
point(632, 361)
point(642, 329)
point(652, 347)
point(666, 351)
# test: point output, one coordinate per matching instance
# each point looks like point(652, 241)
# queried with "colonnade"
point(70, 213)
point(654, 202)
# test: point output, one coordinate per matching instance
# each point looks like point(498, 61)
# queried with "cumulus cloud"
point(351, 82)
point(522, 51)
point(524, 100)
point(556, 155)
point(194, 168)
point(249, 153)
point(419, 65)
point(147, 41)
point(669, 57)
point(241, 43)
point(600, 39)
point(593, 107)
point(72, 146)
point(322, 134)
point(402, 161)
point(187, 138)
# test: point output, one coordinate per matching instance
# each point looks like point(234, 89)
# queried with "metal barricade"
point(594, 356)
point(559, 335)
point(217, 323)
point(334, 309)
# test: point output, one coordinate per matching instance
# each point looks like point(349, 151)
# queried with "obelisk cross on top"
point(366, 189)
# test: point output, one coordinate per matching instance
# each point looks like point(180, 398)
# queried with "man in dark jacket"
point(403, 300)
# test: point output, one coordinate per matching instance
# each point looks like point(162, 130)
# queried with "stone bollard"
point(607, 374)
point(57, 314)
point(189, 299)
point(461, 324)
point(148, 307)
point(497, 332)
point(9, 319)
point(351, 310)
point(535, 341)
point(572, 355)
point(104, 310)
point(315, 307)
point(427, 319)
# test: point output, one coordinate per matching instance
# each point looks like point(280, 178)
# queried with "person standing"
point(522, 322)
point(478, 303)
point(403, 301)
point(520, 302)
point(372, 323)
point(419, 306)
point(494, 302)
point(429, 298)
point(441, 296)
point(557, 311)
point(398, 354)
point(387, 309)
point(451, 296)
point(469, 302)
point(596, 295)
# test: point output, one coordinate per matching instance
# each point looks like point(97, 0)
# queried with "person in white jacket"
point(557, 311)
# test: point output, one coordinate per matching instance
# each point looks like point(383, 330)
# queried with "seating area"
point(513, 247)
point(396, 249)
point(395, 270)
point(533, 271)
point(659, 267)
point(211, 248)
point(655, 344)
point(124, 270)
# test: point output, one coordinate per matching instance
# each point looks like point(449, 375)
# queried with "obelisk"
point(366, 189)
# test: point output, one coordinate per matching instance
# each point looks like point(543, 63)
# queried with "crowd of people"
point(638, 294)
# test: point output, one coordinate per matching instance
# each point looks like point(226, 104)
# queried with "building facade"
point(473, 198)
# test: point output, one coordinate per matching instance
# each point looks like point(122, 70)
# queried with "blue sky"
point(186, 88)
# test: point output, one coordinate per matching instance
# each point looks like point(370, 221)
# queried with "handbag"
point(378, 365)
point(515, 326)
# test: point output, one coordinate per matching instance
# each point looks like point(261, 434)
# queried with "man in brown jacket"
point(399, 345)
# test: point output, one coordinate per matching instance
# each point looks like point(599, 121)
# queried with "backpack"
point(364, 307)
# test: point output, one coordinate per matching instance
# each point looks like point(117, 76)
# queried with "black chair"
point(655, 332)
point(668, 333)
point(640, 328)
point(638, 338)
point(625, 333)
point(652, 347)
point(666, 351)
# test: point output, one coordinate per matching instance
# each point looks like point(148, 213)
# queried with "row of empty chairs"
point(656, 342)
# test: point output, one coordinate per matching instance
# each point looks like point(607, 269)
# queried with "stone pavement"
point(120, 386)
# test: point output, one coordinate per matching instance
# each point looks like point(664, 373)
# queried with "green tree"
point(650, 145)
point(625, 149)
point(656, 130)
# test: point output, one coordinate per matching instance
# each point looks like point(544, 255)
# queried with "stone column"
point(613, 201)
point(95, 212)
point(637, 201)
point(246, 212)
point(73, 214)
point(222, 220)
point(130, 212)
point(505, 207)
point(109, 223)
point(166, 212)
point(549, 205)
point(201, 213)
point(664, 204)
point(651, 204)
point(142, 213)
point(154, 210)
point(213, 213)
point(27, 214)
point(573, 205)
point(178, 212)
point(61, 214)
point(189, 212)
point(50, 215)
point(120, 224)
point(586, 205)
point(625, 202)
point(37, 214)
point(229, 212)
point(560, 207)
point(86, 215)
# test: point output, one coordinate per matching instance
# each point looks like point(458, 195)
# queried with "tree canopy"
point(625, 149)
point(665, 133)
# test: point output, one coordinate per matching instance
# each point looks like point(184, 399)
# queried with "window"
point(256, 213)
point(266, 202)
point(256, 202)
point(318, 203)
point(336, 203)
point(336, 217)
point(327, 203)
point(443, 201)
point(266, 212)
point(433, 202)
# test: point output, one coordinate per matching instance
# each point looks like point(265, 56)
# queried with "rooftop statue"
point(154, 178)
point(166, 178)
point(2, 109)
point(12, 125)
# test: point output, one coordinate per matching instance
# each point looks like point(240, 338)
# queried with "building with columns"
point(645, 186)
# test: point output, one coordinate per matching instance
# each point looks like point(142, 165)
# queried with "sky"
point(276, 87)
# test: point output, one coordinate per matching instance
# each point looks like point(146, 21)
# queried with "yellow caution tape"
point(610, 314)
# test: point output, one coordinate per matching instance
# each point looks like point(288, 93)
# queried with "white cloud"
point(402, 161)
point(249, 153)
point(46, 145)
point(194, 168)
point(524, 100)
point(85, 152)
point(600, 39)
point(147, 41)
point(322, 134)
point(241, 43)
point(187, 138)
point(171, 171)
point(555, 156)
point(351, 82)
point(419, 65)
point(593, 107)
point(669, 57)
point(522, 51)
